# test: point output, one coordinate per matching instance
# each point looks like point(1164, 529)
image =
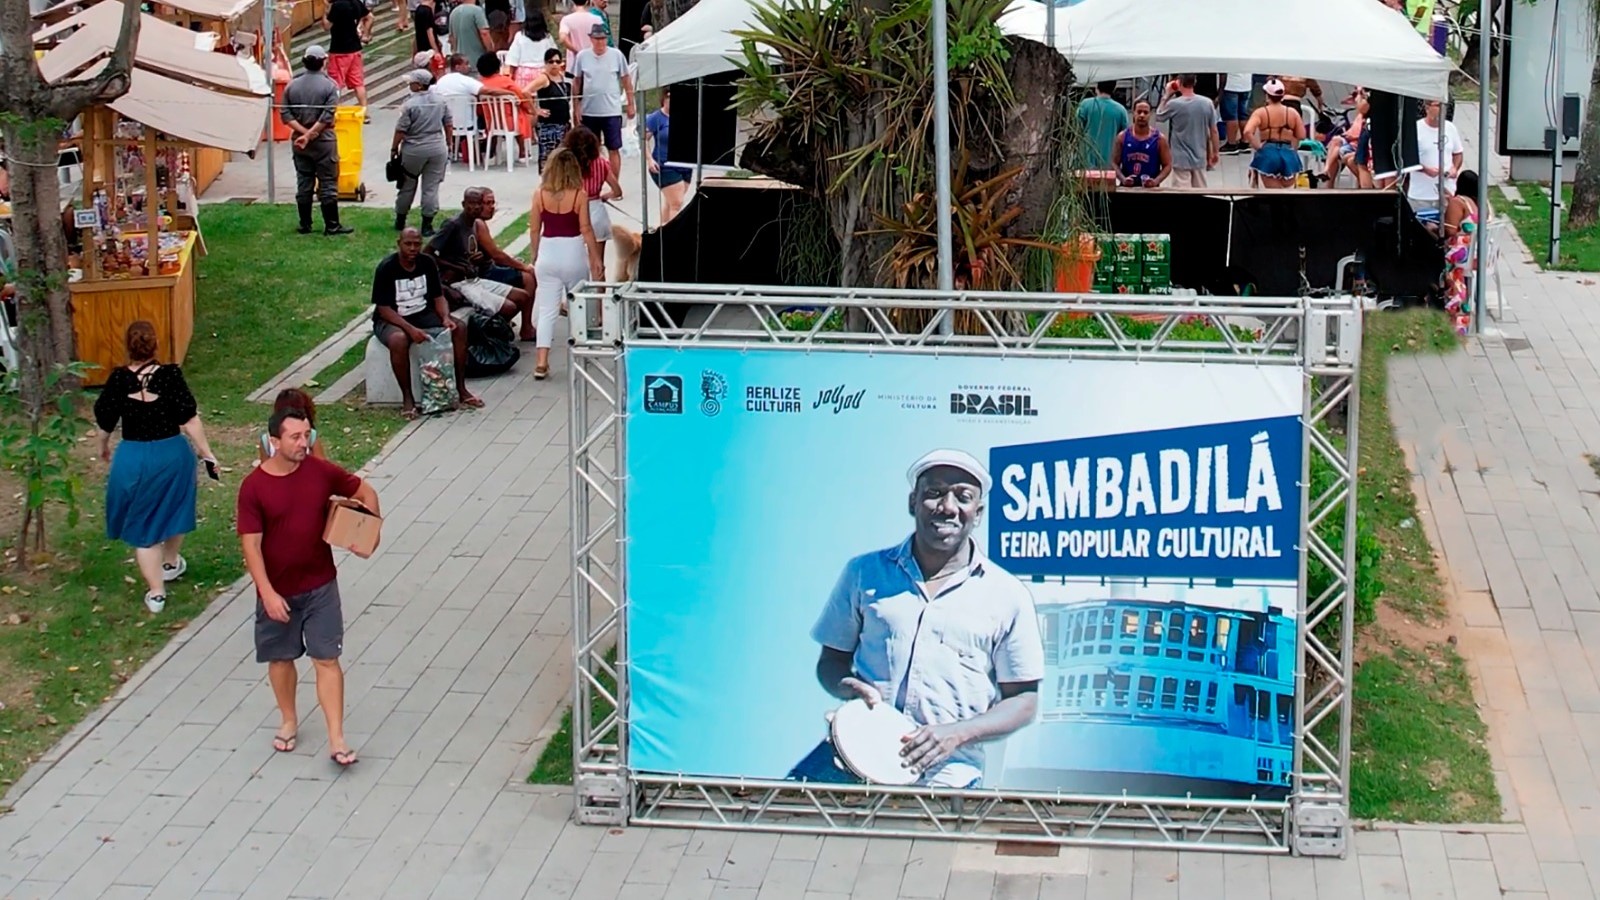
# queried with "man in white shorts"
point(463, 264)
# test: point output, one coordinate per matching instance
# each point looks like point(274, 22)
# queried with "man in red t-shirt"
point(283, 509)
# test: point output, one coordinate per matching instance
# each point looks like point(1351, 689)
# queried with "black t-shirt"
point(422, 25)
point(344, 19)
point(456, 248)
point(408, 292)
point(1208, 85)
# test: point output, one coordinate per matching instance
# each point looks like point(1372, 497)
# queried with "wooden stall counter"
point(103, 309)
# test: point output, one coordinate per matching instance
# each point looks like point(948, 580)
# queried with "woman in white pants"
point(564, 248)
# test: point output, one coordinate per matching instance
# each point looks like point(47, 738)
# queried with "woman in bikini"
point(150, 490)
point(1275, 131)
point(563, 245)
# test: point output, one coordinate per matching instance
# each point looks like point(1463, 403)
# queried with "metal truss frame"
point(1320, 336)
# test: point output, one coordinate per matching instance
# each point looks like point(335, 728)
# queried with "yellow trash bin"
point(347, 122)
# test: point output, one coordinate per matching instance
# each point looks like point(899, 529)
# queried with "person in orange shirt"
point(527, 111)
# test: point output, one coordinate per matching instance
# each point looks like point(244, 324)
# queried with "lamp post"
point(941, 154)
point(267, 63)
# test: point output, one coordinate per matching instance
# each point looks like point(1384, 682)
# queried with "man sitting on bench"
point(408, 307)
point(465, 266)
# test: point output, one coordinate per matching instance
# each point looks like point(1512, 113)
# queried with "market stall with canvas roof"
point(139, 153)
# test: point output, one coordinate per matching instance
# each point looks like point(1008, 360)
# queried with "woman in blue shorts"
point(1275, 131)
point(672, 180)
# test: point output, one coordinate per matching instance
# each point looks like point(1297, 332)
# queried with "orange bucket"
point(1075, 265)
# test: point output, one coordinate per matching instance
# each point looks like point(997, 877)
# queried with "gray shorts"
point(315, 627)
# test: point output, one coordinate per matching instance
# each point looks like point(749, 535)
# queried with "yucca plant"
point(842, 95)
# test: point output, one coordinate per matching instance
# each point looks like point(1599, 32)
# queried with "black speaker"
point(1390, 141)
point(704, 126)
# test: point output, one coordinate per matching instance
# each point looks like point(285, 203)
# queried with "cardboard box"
point(352, 527)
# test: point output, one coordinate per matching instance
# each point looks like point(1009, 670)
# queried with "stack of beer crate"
point(1134, 264)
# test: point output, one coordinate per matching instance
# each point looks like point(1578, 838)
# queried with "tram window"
point(1263, 705)
point(1061, 691)
point(1175, 628)
point(1197, 631)
point(1211, 697)
point(1130, 623)
point(1147, 692)
point(1100, 682)
point(1285, 708)
point(1245, 696)
point(1119, 690)
point(1108, 620)
point(1224, 627)
point(1152, 627)
point(1052, 636)
point(1169, 693)
point(1191, 695)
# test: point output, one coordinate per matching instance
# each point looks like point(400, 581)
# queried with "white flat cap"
point(956, 459)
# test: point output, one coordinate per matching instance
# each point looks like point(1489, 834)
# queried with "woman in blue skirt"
point(150, 491)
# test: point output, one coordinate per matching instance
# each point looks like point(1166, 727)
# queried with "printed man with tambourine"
point(935, 648)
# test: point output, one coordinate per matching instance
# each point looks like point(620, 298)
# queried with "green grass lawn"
point(265, 295)
point(1580, 250)
point(1418, 741)
point(1419, 752)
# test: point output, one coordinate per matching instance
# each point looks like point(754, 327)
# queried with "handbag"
point(393, 171)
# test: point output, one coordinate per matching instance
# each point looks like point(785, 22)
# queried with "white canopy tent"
point(1359, 41)
point(696, 44)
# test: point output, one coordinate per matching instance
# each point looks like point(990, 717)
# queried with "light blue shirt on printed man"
point(938, 659)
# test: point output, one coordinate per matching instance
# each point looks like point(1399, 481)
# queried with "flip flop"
point(344, 758)
point(409, 413)
point(474, 402)
point(283, 744)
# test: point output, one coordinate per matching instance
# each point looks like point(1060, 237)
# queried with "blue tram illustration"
point(1161, 696)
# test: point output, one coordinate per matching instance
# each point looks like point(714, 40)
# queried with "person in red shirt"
point(283, 509)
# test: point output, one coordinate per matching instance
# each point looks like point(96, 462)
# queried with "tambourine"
point(867, 742)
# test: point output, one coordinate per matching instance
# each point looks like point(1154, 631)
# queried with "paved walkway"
point(458, 653)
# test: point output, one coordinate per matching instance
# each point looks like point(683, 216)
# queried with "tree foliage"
point(841, 95)
point(33, 115)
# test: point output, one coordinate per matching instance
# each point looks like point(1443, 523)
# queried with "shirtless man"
point(1275, 131)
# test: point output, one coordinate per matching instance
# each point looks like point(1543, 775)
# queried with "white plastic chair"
point(501, 115)
point(464, 119)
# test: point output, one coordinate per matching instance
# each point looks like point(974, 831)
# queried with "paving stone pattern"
point(458, 652)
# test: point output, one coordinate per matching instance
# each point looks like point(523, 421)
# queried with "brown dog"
point(629, 244)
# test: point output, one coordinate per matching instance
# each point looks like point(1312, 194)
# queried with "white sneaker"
point(174, 571)
point(155, 602)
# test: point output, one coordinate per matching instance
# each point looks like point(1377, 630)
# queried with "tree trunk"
point(1034, 128)
point(41, 247)
point(1585, 209)
point(663, 12)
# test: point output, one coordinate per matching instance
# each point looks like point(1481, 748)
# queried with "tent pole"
point(1481, 261)
point(941, 152)
point(267, 62)
point(1050, 24)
